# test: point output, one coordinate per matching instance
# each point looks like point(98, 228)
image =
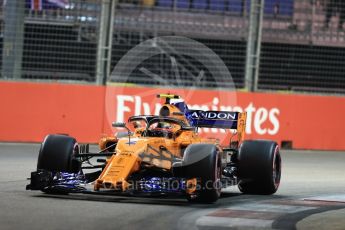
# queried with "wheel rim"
point(276, 168)
point(74, 162)
point(218, 172)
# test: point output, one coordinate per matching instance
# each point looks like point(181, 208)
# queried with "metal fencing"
point(285, 45)
point(303, 47)
point(47, 40)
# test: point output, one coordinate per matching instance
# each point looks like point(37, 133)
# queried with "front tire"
point(202, 161)
point(57, 154)
point(259, 168)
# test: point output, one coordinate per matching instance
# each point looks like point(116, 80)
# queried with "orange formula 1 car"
point(162, 155)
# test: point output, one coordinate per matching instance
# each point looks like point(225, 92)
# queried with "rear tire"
point(57, 154)
point(202, 161)
point(259, 168)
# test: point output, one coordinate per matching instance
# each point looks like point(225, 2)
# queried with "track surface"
point(305, 174)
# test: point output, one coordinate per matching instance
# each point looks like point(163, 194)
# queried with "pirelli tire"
point(259, 167)
point(202, 161)
point(57, 154)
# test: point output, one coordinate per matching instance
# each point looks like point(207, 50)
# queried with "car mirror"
point(187, 128)
point(119, 124)
point(178, 114)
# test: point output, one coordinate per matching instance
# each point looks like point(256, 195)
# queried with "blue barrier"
point(165, 3)
point(199, 4)
point(235, 6)
point(183, 4)
point(218, 5)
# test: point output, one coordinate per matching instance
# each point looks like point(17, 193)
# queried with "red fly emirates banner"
point(29, 111)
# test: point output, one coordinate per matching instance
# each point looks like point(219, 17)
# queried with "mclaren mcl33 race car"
point(160, 155)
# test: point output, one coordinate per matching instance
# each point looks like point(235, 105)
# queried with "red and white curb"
point(260, 215)
point(257, 215)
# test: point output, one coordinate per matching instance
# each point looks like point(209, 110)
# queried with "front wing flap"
point(62, 182)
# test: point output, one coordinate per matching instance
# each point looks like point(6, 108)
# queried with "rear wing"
point(215, 119)
point(218, 119)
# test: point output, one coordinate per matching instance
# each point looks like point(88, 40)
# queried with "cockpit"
point(157, 126)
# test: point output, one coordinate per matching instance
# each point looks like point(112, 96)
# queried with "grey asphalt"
point(305, 174)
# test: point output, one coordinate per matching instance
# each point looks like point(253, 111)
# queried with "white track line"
point(211, 221)
point(331, 198)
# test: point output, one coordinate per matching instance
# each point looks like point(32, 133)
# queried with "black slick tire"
point(259, 167)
